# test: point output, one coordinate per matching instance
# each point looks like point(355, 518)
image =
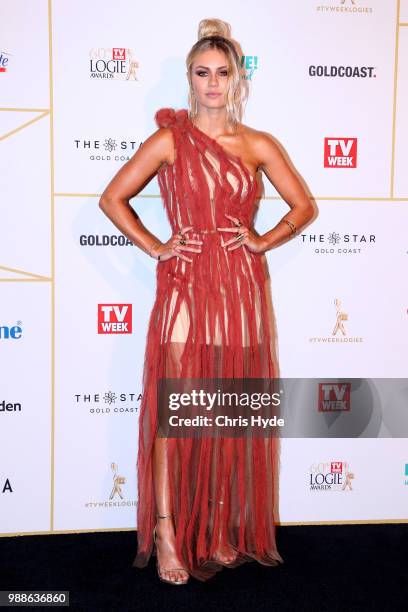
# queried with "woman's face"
point(209, 76)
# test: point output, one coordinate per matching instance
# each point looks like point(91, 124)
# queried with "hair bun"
point(214, 27)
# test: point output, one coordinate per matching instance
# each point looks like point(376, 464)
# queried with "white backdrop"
point(69, 396)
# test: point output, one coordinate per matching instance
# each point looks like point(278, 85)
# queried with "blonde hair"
point(216, 34)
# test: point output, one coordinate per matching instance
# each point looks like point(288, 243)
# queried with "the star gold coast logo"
point(107, 148)
point(351, 7)
point(113, 63)
point(335, 243)
point(108, 402)
point(339, 331)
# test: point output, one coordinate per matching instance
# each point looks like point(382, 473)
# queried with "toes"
point(174, 576)
point(181, 576)
point(225, 558)
point(170, 576)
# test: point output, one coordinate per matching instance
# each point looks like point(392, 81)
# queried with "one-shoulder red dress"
point(211, 319)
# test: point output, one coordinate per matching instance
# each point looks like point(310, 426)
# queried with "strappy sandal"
point(216, 556)
point(169, 569)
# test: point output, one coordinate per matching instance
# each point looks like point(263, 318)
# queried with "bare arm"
point(139, 170)
point(131, 178)
point(288, 185)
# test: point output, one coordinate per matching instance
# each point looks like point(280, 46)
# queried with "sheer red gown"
point(210, 319)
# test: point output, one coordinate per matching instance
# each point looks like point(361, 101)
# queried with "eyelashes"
point(204, 72)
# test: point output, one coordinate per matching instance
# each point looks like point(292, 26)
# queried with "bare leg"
point(224, 553)
point(166, 552)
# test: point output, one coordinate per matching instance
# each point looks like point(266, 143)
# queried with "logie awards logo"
point(331, 476)
point(113, 63)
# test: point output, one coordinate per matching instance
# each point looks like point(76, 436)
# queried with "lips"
point(213, 95)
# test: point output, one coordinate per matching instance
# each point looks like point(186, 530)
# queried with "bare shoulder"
point(161, 144)
point(262, 145)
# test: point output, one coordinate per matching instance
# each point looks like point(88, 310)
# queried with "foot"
point(225, 554)
point(166, 552)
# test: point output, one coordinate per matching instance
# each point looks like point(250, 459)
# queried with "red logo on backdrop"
point(334, 397)
point(340, 152)
point(114, 318)
point(336, 467)
point(118, 53)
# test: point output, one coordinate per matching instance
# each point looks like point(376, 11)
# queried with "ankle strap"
point(162, 516)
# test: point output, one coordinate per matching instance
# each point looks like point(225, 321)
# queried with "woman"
point(206, 503)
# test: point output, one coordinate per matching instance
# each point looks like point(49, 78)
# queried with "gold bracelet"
point(291, 225)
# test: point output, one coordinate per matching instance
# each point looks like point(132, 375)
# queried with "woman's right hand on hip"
point(176, 244)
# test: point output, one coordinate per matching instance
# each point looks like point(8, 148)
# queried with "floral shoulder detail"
point(167, 117)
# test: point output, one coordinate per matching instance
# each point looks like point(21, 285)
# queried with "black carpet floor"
point(345, 567)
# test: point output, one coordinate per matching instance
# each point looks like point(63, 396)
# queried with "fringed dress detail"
point(211, 319)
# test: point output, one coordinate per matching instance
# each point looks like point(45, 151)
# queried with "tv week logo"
point(114, 318)
point(334, 397)
point(336, 467)
point(118, 54)
point(340, 152)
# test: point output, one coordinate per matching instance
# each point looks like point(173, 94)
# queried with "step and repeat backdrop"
point(80, 83)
